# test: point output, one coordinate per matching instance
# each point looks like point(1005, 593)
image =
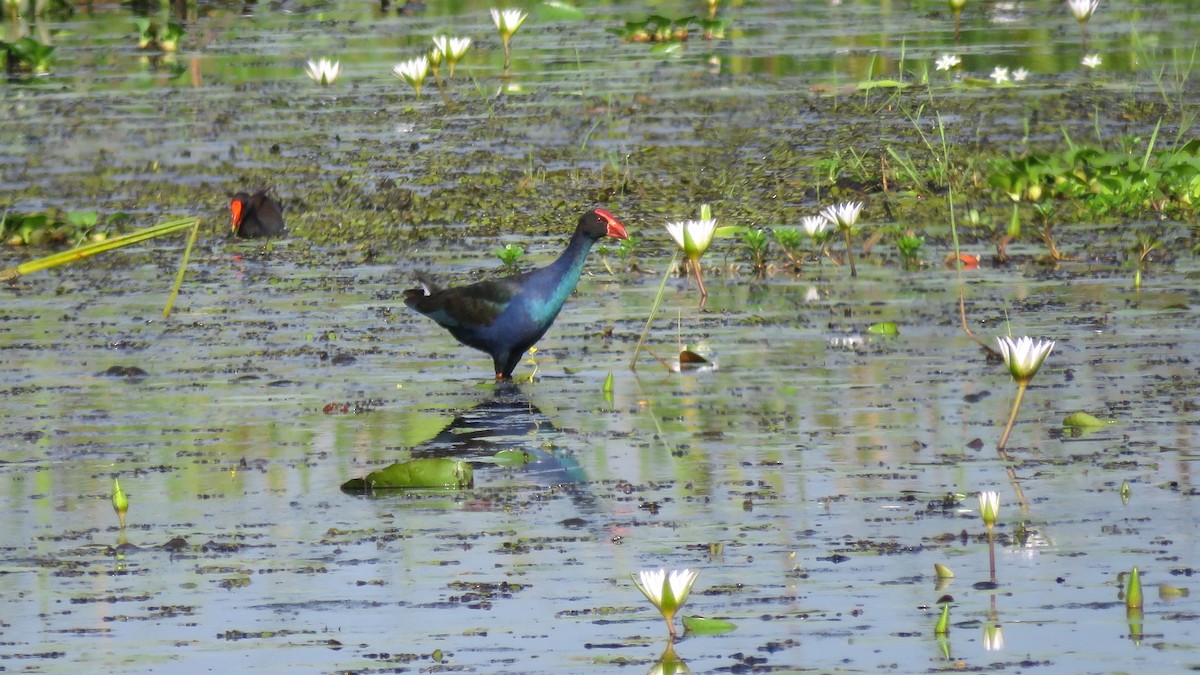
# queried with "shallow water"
point(817, 463)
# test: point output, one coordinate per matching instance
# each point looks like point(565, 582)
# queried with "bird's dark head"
point(599, 223)
point(239, 207)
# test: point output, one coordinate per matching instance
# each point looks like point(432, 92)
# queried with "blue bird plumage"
point(505, 317)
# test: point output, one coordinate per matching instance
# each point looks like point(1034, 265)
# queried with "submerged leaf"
point(428, 472)
point(702, 626)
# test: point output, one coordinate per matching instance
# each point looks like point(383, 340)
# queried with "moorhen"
point(256, 215)
point(505, 317)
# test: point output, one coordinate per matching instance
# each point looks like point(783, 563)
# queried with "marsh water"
point(814, 473)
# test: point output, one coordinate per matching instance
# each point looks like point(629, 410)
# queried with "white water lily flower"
point(451, 49)
point(413, 71)
point(666, 592)
point(323, 71)
point(999, 74)
point(693, 236)
point(1083, 9)
point(1020, 75)
point(844, 215)
point(989, 507)
point(947, 61)
point(1024, 356)
point(814, 226)
point(508, 21)
point(1091, 61)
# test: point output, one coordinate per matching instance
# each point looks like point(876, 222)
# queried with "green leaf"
point(702, 626)
point(428, 472)
point(887, 328)
point(82, 218)
point(557, 10)
point(1082, 420)
point(513, 457)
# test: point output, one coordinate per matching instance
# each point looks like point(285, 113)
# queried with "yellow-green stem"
point(992, 552)
point(850, 255)
point(187, 253)
point(1012, 417)
point(653, 311)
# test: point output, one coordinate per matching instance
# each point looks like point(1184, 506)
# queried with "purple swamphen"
point(256, 215)
point(505, 317)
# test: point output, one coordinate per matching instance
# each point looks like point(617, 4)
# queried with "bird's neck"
point(563, 274)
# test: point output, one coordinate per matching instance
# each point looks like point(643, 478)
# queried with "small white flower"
point(844, 215)
point(451, 49)
point(323, 71)
point(1020, 75)
point(989, 507)
point(814, 226)
point(999, 74)
point(947, 61)
point(508, 21)
point(667, 593)
point(413, 71)
point(1091, 60)
point(1024, 356)
point(1083, 9)
point(693, 236)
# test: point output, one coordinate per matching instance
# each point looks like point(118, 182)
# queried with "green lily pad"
point(1082, 420)
point(557, 10)
point(702, 626)
point(428, 472)
point(887, 328)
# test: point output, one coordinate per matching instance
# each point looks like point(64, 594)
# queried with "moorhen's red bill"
point(256, 215)
point(505, 317)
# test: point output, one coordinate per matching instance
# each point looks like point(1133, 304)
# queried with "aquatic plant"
point(947, 61)
point(1147, 242)
point(956, 8)
point(413, 71)
point(26, 56)
point(120, 502)
point(451, 49)
point(507, 23)
point(693, 238)
point(845, 216)
point(161, 37)
point(909, 246)
point(942, 626)
point(999, 75)
point(1133, 590)
point(1024, 357)
point(756, 244)
point(989, 508)
point(323, 71)
point(1020, 75)
point(510, 255)
point(667, 592)
point(1092, 61)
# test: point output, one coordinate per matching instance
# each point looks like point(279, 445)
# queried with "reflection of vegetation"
point(161, 37)
point(658, 28)
point(26, 56)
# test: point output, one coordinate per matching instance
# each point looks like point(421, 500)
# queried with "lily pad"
point(1082, 420)
point(702, 626)
point(883, 328)
point(428, 472)
point(557, 10)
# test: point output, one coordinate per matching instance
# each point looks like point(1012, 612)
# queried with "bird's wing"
point(476, 305)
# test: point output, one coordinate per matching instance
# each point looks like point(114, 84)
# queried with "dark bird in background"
point(256, 215)
point(505, 317)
